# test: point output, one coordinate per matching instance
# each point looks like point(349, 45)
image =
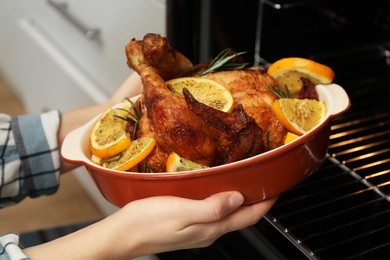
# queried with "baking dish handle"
point(335, 97)
point(71, 150)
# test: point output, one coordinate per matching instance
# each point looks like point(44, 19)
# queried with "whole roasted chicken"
point(181, 124)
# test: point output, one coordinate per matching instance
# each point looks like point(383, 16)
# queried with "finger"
point(208, 231)
point(246, 215)
point(214, 207)
point(131, 87)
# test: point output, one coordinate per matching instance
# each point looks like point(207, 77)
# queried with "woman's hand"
point(155, 225)
point(162, 224)
point(131, 87)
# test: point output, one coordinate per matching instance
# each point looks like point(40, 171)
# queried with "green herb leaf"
point(268, 143)
point(287, 92)
point(221, 62)
point(279, 93)
point(137, 115)
point(116, 157)
point(147, 169)
point(133, 117)
point(133, 136)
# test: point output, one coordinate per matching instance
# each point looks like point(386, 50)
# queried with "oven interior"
point(342, 211)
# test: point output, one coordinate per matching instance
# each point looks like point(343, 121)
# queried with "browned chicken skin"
point(155, 51)
point(252, 89)
point(236, 133)
point(191, 129)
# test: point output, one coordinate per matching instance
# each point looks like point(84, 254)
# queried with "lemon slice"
point(206, 91)
point(135, 153)
point(288, 72)
point(108, 136)
point(176, 163)
point(299, 115)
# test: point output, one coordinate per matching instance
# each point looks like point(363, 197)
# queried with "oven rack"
point(342, 211)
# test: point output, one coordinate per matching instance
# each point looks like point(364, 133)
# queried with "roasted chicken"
point(193, 130)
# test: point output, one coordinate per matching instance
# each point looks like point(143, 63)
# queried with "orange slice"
point(290, 137)
point(288, 72)
point(108, 136)
point(96, 159)
point(176, 163)
point(206, 91)
point(135, 153)
point(299, 115)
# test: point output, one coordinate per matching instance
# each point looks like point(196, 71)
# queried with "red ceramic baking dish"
point(257, 178)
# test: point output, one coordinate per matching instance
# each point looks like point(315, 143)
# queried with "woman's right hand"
point(155, 225)
point(161, 224)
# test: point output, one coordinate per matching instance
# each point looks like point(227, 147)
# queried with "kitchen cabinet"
point(58, 57)
point(102, 57)
point(65, 54)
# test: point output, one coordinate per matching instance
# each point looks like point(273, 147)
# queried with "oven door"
point(342, 211)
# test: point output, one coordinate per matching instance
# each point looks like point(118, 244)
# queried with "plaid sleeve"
point(29, 156)
point(10, 248)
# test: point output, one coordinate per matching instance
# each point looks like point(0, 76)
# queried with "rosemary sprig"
point(133, 117)
point(221, 62)
point(147, 169)
point(268, 143)
point(116, 157)
point(279, 93)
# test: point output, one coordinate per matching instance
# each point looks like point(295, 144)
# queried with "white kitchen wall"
point(10, 60)
point(51, 64)
point(118, 21)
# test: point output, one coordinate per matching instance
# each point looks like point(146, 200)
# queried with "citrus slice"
point(96, 159)
point(299, 115)
point(288, 72)
point(136, 152)
point(108, 136)
point(290, 137)
point(176, 163)
point(206, 91)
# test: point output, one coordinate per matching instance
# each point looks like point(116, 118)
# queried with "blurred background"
point(64, 54)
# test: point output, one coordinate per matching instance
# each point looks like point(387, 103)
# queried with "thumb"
point(221, 204)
